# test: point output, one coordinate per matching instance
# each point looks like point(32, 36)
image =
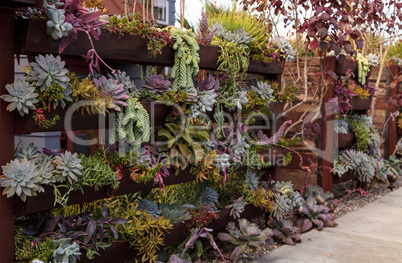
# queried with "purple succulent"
point(157, 84)
point(112, 88)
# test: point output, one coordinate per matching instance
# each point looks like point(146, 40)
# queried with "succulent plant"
point(29, 153)
point(223, 161)
point(206, 100)
point(21, 96)
point(46, 70)
point(237, 208)
point(150, 207)
point(360, 163)
point(373, 59)
point(263, 89)
point(69, 166)
point(174, 212)
point(157, 85)
point(240, 36)
point(56, 95)
point(239, 99)
point(284, 231)
point(192, 95)
point(341, 126)
point(57, 27)
point(205, 36)
point(175, 258)
point(248, 237)
point(65, 252)
point(314, 214)
point(252, 180)
point(123, 78)
point(284, 48)
point(112, 88)
point(21, 178)
point(46, 169)
point(208, 197)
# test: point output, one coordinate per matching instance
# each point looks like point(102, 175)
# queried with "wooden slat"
point(32, 39)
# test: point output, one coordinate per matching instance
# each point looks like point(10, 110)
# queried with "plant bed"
point(359, 104)
point(26, 125)
point(31, 38)
point(121, 251)
point(346, 140)
point(20, 3)
point(344, 178)
point(45, 201)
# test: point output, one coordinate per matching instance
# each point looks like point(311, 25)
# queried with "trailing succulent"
point(21, 178)
point(186, 58)
point(247, 237)
point(46, 70)
point(132, 123)
point(21, 96)
point(68, 166)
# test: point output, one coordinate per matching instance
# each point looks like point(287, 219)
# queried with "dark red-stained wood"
point(344, 178)
point(343, 64)
point(327, 130)
point(20, 3)
point(346, 140)
point(80, 122)
point(32, 39)
point(6, 131)
point(392, 137)
point(121, 251)
point(359, 104)
point(45, 201)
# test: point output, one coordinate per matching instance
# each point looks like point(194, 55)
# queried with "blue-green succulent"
point(21, 96)
point(68, 166)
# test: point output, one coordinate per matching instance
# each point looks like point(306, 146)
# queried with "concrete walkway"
point(371, 234)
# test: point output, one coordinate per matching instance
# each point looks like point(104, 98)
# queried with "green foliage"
point(395, 50)
point(363, 68)
point(55, 95)
point(207, 168)
point(131, 123)
point(286, 199)
point(21, 178)
point(361, 164)
point(185, 142)
point(208, 197)
point(234, 19)
point(362, 93)
point(287, 94)
point(143, 231)
point(186, 58)
point(174, 213)
point(24, 252)
point(97, 172)
point(248, 237)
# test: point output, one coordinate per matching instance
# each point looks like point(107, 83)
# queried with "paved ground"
point(372, 234)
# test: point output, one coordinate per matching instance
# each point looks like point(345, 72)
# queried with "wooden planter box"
point(31, 38)
point(20, 3)
point(26, 125)
point(121, 251)
point(45, 201)
point(359, 104)
point(346, 140)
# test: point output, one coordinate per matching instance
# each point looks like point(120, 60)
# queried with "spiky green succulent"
point(112, 88)
point(21, 96)
point(69, 166)
point(21, 178)
point(65, 251)
point(46, 70)
point(30, 153)
point(174, 212)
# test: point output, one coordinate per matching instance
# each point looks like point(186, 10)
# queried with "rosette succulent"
point(157, 85)
point(207, 100)
point(46, 70)
point(46, 169)
point(21, 178)
point(30, 153)
point(263, 89)
point(65, 251)
point(21, 96)
point(111, 87)
point(150, 207)
point(69, 166)
point(222, 161)
point(57, 27)
point(373, 59)
point(123, 78)
point(208, 197)
point(284, 48)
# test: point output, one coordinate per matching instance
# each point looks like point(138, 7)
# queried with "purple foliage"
point(264, 140)
point(205, 36)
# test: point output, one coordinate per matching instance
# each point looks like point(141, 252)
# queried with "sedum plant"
point(21, 178)
point(21, 96)
point(46, 70)
point(69, 166)
point(65, 251)
point(57, 27)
